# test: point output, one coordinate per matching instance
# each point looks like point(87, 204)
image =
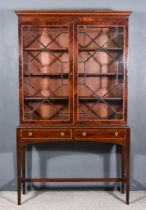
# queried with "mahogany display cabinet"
point(73, 84)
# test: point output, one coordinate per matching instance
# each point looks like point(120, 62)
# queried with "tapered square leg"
point(23, 168)
point(122, 167)
point(19, 172)
point(127, 166)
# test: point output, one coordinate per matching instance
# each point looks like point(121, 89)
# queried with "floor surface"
point(73, 200)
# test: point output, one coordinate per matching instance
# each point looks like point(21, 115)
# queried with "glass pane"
point(100, 73)
point(46, 73)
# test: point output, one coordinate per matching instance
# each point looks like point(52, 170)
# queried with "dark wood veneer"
point(54, 50)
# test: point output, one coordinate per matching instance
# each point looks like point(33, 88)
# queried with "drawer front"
point(46, 133)
point(100, 134)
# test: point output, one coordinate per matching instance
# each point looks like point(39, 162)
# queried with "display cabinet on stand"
point(73, 84)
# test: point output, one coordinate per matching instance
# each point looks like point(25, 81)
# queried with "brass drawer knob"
point(29, 133)
point(84, 134)
point(116, 133)
point(62, 134)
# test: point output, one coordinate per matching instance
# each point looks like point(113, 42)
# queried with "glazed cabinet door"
point(101, 74)
point(46, 73)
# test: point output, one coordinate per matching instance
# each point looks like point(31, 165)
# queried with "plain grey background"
point(72, 159)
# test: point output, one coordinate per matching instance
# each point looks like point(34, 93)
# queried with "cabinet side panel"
point(21, 102)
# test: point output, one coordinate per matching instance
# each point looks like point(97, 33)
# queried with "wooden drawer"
point(100, 133)
point(46, 133)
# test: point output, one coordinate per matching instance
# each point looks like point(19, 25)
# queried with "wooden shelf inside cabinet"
point(100, 49)
point(59, 98)
point(91, 98)
point(57, 50)
point(100, 74)
point(73, 85)
point(59, 75)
